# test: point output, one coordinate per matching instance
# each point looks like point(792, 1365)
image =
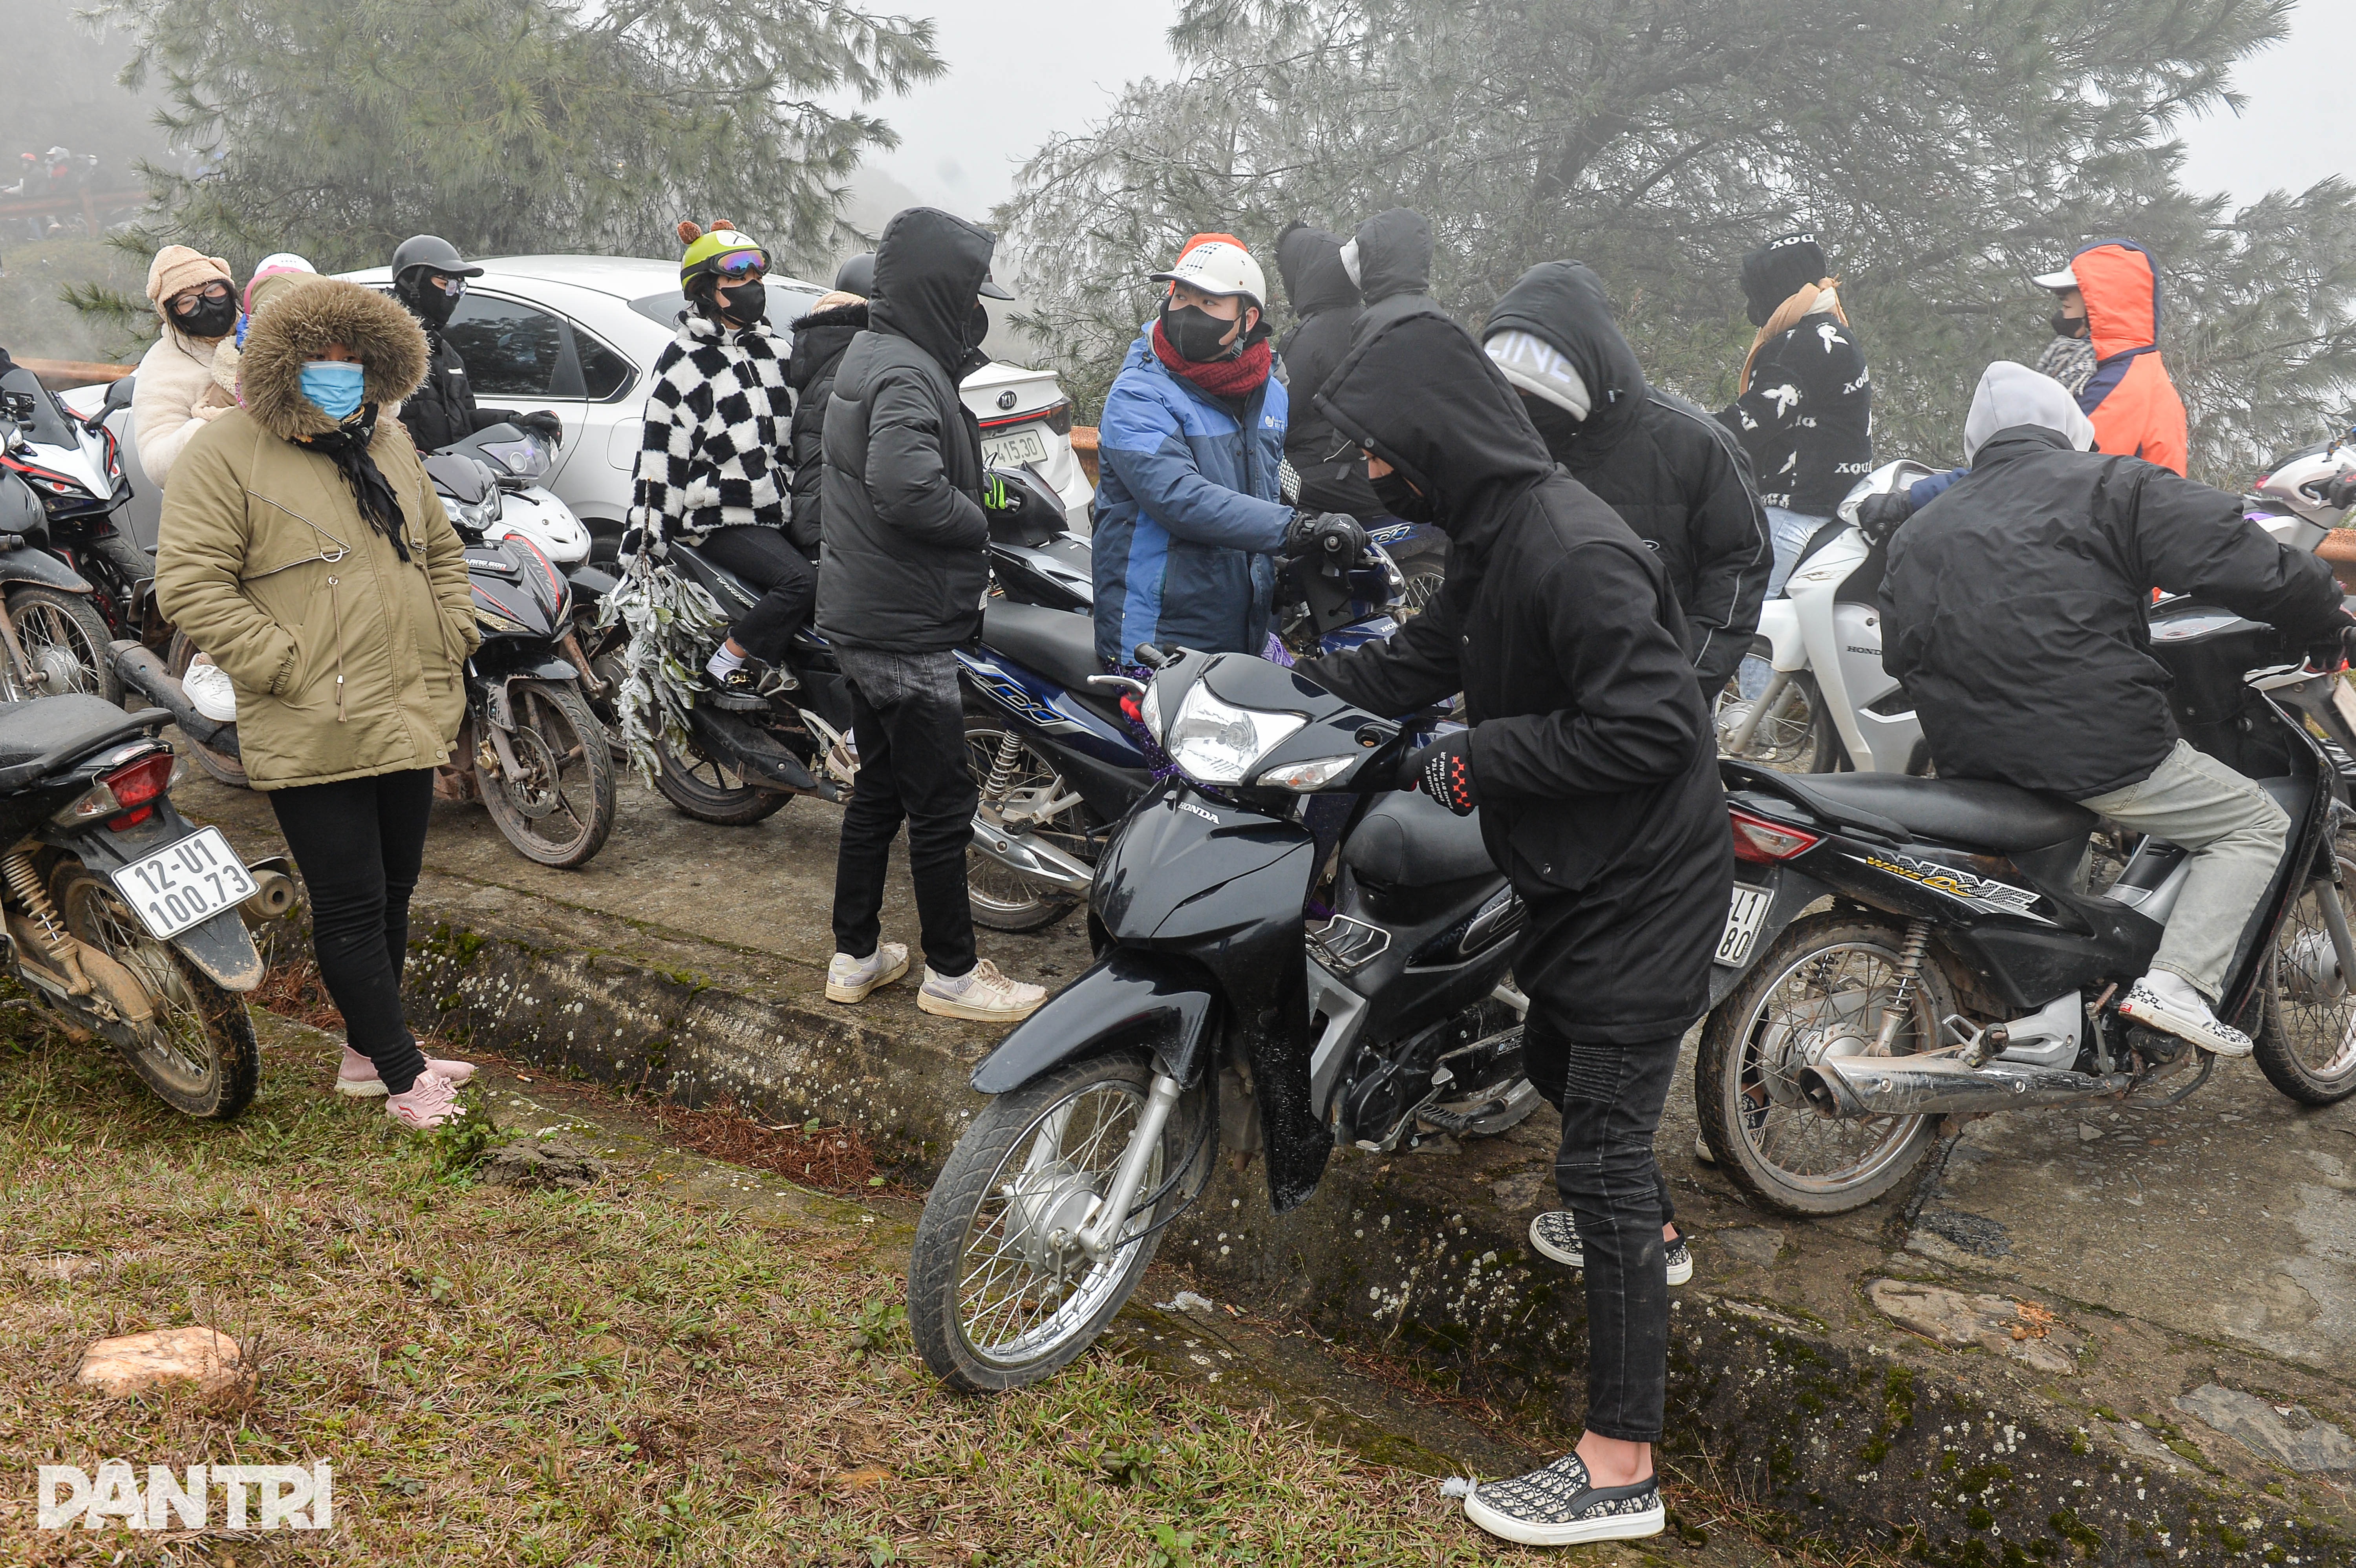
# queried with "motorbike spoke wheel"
point(1823, 990)
point(707, 789)
point(66, 642)
point(999, 1297)
point(1424, 572)
point(220, 765)
point(197, 1051)
point(1002, 900)
point(2304, 1038)
point(1795, 734)
point(559, 806)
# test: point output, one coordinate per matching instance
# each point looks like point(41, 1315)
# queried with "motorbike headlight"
point(1302, 777)
point(1216, 743)
point(480, 515)
point(525, 459)
point(1149, 710)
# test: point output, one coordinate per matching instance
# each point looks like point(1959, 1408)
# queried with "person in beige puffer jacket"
point(303, 546)
point(181, 388)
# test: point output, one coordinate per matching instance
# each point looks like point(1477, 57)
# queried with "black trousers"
point(1611, 1098)
point(767, 560)
point(912, 767)
point(359, 843)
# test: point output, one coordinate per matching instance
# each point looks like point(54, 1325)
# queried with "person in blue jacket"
point(1188, 508)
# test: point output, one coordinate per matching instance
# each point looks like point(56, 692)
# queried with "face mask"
point(744, 304)
point(977, 325)
point(2069, 326)
point(1195, 333)
point(1554, 423)
point(208, 317)
point(335, 385)
point(1402, 500)
point(434, 306)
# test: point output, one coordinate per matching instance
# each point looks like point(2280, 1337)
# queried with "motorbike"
point(1965, 968)
point(516, 505)
point(1289, 952)
point(2287, 500)
point(74, 580)
point(125, 921)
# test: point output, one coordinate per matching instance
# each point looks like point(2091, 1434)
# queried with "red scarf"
point(1237, 378)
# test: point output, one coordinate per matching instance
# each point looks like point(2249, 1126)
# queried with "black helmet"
point(857, 276)
point(430, 252)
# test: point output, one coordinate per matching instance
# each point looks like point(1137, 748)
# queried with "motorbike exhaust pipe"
point(1854, 1087)
point(144, 673)
point(273, 893)
point(1025, 856)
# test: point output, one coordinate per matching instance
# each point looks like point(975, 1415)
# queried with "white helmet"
point(1218, 267)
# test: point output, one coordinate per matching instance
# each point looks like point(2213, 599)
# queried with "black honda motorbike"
point(1966, 966)
point(1287, 949)
point(74, 581)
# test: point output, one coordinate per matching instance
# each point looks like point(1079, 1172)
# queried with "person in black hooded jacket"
point(429, 278)
point(1390, 261)
point(1333, 472)
point(818, 340)
point(1590, 760)
point(1668, 468)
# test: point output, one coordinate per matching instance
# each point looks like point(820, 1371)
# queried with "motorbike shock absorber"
point(24, 881)
point(1902, 996)
point(1002, 766)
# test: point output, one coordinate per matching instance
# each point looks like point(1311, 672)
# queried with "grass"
point(585, 1379)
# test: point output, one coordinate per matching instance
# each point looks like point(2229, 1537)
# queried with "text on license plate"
point(1743, 920)
point(1014, 448)
point(185, 882)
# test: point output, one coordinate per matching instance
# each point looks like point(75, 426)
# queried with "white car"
point(578, 335)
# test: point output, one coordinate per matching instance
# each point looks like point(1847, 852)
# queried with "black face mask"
point(977, 325)
point(1403, 500)
point(2069, 325)
point(1555, 426)
point(208, 317)
point(432, 306)
point(1195, 333)
point(743, 305)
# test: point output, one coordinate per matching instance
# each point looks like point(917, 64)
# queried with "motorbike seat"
point(1408, 840)
point(734, 594)
point(53, 732)
point(1058, 644)
point(1969, 813)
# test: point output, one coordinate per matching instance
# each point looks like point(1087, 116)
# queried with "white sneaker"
point(985, 996)
point(209, 691)
point(2168, 1002)
point(431, 1101)
point(850, 980)
point(1555, 1235)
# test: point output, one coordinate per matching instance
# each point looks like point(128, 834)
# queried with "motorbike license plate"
point(1014, 449)
point(1742, 923)
point(183, 883)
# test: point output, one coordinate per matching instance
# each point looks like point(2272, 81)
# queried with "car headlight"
point(1216, 743)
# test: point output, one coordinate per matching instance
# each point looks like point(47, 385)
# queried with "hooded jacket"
point(2016, 605)
point(1591, 754)
point(1805, 410)
point(1390, 261)
point(1325, 302)
point(905, 560)
point(818, 341)
point(2133, 403)
point(346, 658)
point(1666, 467)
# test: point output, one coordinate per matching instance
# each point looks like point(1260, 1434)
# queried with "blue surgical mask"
point(335, 385)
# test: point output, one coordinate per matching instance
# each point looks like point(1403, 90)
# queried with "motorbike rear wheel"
point(2305, 1028)
point(994, 1303)
point(1822, 989)
point(66, 641)
point(198, 1053)
point(707, 789)
point(559, 808)
point(1425, 569)
point(218, 764)
point(1002, 900)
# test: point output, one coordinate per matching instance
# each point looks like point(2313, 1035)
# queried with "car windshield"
point(785, 305)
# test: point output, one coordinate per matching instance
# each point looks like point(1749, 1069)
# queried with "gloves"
point(637, 540)
point(996, 496)
point(2340, 492)
point(543, 424)
point(1334, 539)
point(1443, 770)
point(1880, 515)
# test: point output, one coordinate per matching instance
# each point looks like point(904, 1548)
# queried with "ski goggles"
point(453, 287)
point(741, 266)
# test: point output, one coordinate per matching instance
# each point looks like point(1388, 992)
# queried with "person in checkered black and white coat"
point(714, 469)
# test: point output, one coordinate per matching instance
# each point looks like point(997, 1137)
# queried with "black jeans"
point(909, 722)
point(1611, 1098)
point(359, 843)
point(765, 559)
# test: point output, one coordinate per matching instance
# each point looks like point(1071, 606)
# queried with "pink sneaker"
point(358, 1076)
point(431, 1101)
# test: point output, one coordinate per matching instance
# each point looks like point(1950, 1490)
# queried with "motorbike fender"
point(503, 659)
point(220, 946)
point(592, 581)
point(1779, 627)
point(1159, 1000)
point(39, 567)
point(1788, 892)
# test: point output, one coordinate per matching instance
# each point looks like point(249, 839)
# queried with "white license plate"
point(1742, 923)
point(185, 882)
point(1014, 449)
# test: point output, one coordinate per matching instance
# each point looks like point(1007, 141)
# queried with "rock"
point(136, 1363)
point(2087, 1135)
point(2136, 1439)
point(1975, 1233)
point(557, 1162)
point(1522, 1189)
point(1754, 1244)
point(2287, 1434)
point(2021, 1330)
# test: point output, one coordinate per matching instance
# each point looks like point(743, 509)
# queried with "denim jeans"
point(910, 720)
point(1611, 1098)
point(2236, 833)
point(1790, 532)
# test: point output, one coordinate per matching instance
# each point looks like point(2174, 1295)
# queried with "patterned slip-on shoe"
point(1557, 1507)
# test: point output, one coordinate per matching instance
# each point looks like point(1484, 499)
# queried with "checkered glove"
point(1443, 770)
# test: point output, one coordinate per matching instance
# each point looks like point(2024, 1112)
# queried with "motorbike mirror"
point(118, 396)
point(462, 477)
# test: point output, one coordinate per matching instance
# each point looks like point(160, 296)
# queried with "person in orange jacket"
point(2106, 351)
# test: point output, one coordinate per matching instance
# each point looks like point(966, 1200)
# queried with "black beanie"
point(1778, 270)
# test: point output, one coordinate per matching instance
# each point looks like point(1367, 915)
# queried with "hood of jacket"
point(2121, 286)
point(1563, 304)
point(1310, 261)
point(1391, 255)
point(1418, 394)
point(2011, 396)
point(929, 271)
point(304, 317)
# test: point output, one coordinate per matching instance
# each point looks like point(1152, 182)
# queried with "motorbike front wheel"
point(1823, 989)
point(66, 641)
point(197, 1051)
point(998, 1298)
point(1795, 735)
point(557, 807)
point(2305, 1033)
